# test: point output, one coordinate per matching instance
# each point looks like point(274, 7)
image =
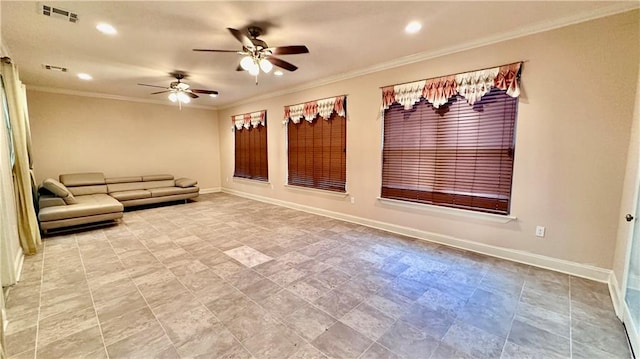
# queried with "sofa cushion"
point(131, 186)
point(186, 182)
point(123, 179)
point(157, 178)
point(82, 179)
point(49, 201)
point(128, 186)
point(55, 187)
point(86, 190)
point(129, 195)
point(169, 191)
point(87, 206)
point(159, 184)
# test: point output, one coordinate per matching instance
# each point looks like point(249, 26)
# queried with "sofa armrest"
point(50, 201)
point(185, 182)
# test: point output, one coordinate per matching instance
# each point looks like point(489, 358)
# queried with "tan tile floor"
point(159, 285)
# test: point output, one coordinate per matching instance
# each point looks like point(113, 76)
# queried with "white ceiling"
point(155, 38)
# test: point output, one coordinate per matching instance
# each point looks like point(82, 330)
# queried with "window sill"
point(453, 212)
point(251, 181)
point(317, 191)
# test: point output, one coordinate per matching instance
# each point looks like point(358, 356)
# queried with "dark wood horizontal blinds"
point(457, 155)
point(251, 153)
point(318, 153)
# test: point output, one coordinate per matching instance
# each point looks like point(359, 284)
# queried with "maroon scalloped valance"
point(470, 85)
point(247, 120)
point(312, 109)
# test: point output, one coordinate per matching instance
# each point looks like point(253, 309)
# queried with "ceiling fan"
point(179, 91)
point(257, 55)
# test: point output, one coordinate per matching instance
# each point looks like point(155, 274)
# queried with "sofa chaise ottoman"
point(83, 198)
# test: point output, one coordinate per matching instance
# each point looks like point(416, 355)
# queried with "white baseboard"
point(616, 294)
point(18, 262)
point(210, 190)
point(559, 265)
point(5, 321)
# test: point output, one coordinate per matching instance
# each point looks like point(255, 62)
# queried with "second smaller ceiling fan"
point(179, 91)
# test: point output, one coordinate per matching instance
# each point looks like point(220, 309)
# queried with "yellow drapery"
point(28, 230)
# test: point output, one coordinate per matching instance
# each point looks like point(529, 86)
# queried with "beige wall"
point(122, 138)
point(573, 125)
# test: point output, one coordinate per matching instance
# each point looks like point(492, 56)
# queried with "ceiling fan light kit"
point(179, 91)
point(266, 66)
point(257, 55)
point(179, 96)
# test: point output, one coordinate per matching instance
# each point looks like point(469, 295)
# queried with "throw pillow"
point(186, 182)
point(56, 187)
point(70, 199)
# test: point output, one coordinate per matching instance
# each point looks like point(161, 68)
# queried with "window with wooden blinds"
point(458, 155)
point(318, 153)
point(251, 153)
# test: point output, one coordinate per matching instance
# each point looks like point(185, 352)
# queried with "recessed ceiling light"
point(413, 27)
point(214, 95)
point(85, 77)
point(106, 29)
point(278, 73)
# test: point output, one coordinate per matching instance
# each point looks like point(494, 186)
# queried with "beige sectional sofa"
point(82, 198)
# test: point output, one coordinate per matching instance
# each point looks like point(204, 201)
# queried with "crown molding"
point(113, 97)
point(422, 56)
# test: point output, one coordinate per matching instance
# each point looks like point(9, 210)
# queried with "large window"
point(251, 146)
point(457, 153)
point(317, 145)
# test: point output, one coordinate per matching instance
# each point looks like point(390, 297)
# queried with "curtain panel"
point(28, 229)
point(312, 109)
point(247, 120)
point(470, 85)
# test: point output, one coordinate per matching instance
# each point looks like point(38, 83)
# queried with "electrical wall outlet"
point(353, 200)
point(540, 231)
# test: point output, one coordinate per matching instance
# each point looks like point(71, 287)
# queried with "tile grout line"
point(390, 326)
point(93, 303)
point(506, 339)
point(570, 319)
point(139, 292)
point(35, 350)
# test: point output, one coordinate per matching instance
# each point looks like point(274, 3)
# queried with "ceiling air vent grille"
point(59, 13)
point(54, 68)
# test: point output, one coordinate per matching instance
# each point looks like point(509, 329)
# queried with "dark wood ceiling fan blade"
point(239, 68)
point(192, 95)
point(160, 87)
point(289, 50)
point(207, 92)
point(214, 50)
point(244, 39)
point(281, 63)
point(155, 93)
